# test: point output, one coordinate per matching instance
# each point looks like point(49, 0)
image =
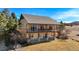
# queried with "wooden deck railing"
point(45, 30)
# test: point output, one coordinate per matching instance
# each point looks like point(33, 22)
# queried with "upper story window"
point(50, 27)
point(33, 28)
point(41, 28)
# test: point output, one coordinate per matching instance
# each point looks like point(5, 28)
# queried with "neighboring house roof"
point(39, 19)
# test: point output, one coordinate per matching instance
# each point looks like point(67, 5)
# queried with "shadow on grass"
point(30, 44)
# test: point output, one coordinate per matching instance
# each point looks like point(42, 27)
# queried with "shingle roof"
point(39, 19)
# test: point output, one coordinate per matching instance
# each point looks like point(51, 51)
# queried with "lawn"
point(56, 45)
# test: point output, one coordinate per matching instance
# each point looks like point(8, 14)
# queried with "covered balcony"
point(42, 28)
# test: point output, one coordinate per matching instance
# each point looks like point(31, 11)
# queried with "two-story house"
point(35, 27)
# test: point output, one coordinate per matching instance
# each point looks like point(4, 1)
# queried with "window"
point(41, 28)
point(33, 28)
point(50, 27)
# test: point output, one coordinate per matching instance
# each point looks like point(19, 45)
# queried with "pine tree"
point(7, 24)
point(61, 34)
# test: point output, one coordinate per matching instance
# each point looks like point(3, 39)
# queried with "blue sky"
point(64, 14)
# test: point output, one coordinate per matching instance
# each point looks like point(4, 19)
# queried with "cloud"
point(68, 16)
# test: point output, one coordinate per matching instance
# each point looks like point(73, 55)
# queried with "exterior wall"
point(26, 34)
point(28, 26)
point(41, 34)
point(23, 24)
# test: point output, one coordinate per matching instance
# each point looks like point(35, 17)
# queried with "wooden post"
point(46, 32)
point(54, 31)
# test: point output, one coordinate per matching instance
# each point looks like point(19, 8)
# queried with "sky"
point(60, 14)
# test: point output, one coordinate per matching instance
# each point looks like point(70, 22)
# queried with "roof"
point(39, 19)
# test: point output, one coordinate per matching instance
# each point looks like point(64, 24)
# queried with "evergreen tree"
point(62, 26)
point(61, 34)
point(8, 23)
point(6, 12)
point(13, 15)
